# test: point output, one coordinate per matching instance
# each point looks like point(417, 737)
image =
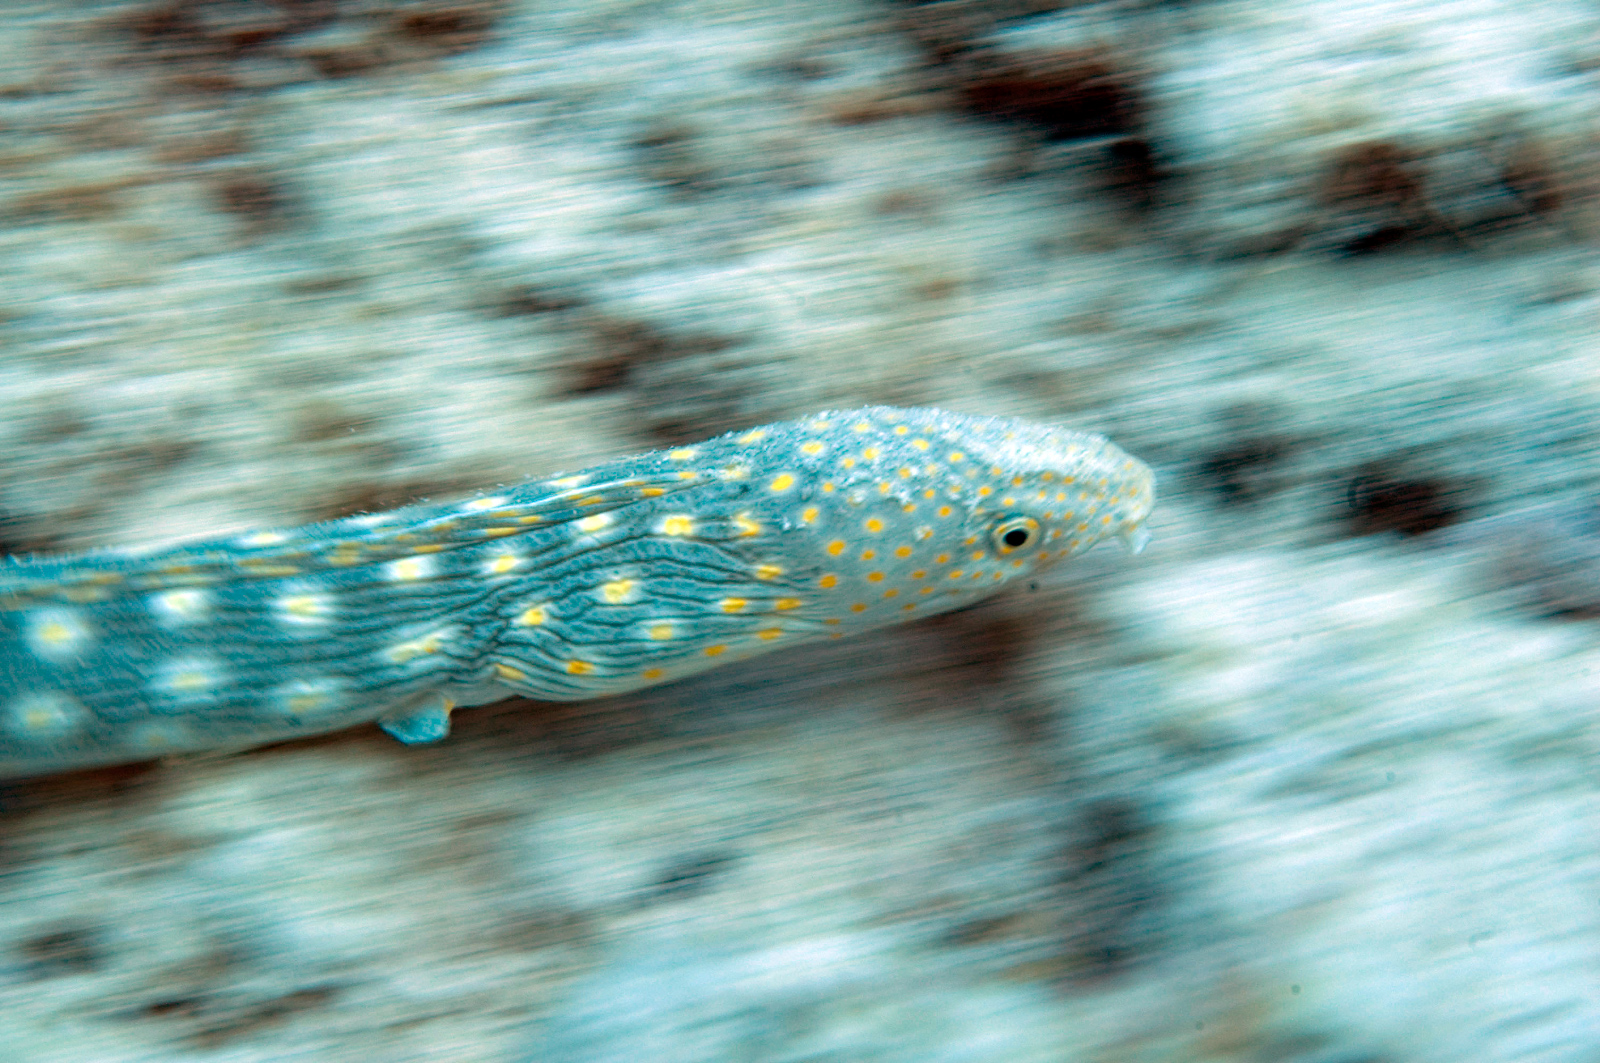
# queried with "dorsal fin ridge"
point(346, 543)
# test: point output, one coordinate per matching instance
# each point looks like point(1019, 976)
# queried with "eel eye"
point(1013, 534)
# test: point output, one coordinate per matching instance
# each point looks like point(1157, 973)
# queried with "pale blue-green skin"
point(636, 572)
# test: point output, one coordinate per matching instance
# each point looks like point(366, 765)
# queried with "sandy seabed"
point(1312, 780)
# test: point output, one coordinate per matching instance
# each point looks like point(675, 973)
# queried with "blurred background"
point(1312, 780)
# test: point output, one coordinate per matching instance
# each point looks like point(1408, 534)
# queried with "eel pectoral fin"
point(419, 721)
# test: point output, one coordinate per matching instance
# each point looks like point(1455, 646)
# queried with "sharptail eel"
point(638, 571)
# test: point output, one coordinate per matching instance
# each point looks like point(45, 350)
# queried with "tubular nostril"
point(1134, 539)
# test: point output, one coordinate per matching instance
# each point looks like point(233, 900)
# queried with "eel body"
point(635, 572)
